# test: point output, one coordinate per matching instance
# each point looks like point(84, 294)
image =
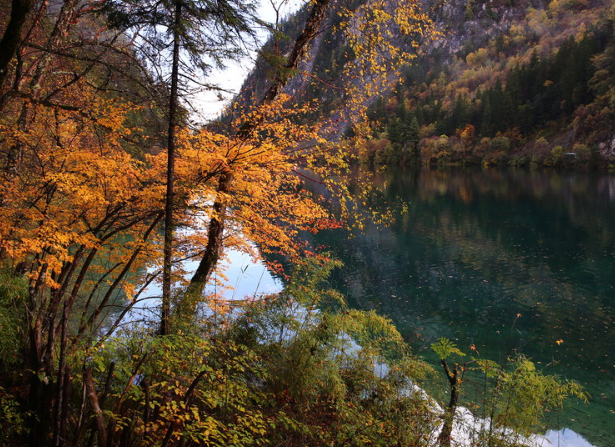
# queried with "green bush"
point(500, 143)
point(346, 374)
point(515, 402)
point(555, 156)
point(582, 151)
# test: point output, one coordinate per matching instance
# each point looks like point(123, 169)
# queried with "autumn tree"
point(202, 35)
point(365, 29)
point(248, 127)
point(77, 209)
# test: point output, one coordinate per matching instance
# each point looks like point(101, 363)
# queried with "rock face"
point(607, 148)
point(474, 22)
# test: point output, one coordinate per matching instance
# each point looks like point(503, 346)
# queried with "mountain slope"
point(517, 82)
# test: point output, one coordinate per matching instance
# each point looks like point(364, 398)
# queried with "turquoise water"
point(510, 261)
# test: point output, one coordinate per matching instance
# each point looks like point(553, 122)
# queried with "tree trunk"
point(12, 35)
point(444, 439)
point(213, 249)
point(99, 418)
point(59, 31)
point(170, 193)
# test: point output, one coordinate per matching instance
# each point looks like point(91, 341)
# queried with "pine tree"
point(486, 118)
point(413, 138)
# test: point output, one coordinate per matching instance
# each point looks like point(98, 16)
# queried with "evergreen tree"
point(401, 109)
point(486, 118)
point(413, 138)
point(460, 114)
point(419, 115)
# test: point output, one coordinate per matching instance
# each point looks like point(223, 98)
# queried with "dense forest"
point(108, 187)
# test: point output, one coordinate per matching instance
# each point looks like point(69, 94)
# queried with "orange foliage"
point(83, 188)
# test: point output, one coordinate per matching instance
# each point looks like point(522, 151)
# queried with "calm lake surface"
point(510, 261)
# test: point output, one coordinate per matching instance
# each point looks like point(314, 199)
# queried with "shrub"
point(582, 151)
point(555, 156)
point(500, 143)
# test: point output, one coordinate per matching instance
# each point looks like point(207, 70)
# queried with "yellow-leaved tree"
point(270, 142)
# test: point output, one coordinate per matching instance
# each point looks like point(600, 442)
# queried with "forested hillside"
point(521, 83)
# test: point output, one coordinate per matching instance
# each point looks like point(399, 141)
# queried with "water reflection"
point(506, 260)
point(241, 277)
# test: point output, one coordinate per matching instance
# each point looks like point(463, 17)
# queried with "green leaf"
point(444, 348)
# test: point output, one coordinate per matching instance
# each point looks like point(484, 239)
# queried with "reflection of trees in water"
point(606, 187)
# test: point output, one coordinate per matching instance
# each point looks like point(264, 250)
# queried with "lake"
point(510, 261)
